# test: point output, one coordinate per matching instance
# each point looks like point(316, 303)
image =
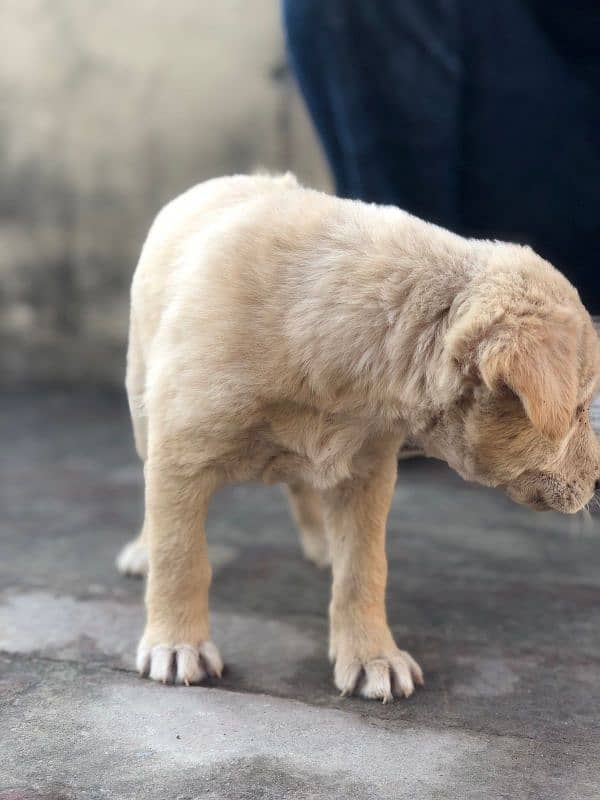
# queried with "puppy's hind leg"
point(133, 558)
point(306, 507)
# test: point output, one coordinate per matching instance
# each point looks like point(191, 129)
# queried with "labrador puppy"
point(284, 334)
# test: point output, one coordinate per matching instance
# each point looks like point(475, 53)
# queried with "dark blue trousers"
point(480, 115)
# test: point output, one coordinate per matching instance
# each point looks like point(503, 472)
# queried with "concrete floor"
point(501, 606)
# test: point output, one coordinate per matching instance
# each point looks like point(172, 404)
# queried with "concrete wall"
point(109, 109)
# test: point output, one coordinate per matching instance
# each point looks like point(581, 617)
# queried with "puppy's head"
point(522, 363)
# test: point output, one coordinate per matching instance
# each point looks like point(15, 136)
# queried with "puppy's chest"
point(313, 446)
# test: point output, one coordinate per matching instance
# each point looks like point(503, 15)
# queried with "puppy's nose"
point(597, 486)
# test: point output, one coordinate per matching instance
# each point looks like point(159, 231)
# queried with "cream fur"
point(284, 334)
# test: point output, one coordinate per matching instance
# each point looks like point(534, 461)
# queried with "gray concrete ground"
point(501, 607)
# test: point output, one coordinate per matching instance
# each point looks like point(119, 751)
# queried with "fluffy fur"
point(284, 334)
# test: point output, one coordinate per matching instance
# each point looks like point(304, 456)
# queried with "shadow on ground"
point(501, 606)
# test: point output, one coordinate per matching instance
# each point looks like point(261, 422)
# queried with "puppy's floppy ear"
point(537, 359)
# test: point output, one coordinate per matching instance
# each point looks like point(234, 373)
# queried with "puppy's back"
point(174, 226)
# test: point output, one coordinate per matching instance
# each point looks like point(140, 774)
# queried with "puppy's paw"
point(393, 674)
point(316, 550)
point(133, 559)
point(181, 663)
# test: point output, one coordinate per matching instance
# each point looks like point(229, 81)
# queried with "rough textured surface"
point(108, 110)
point(501, 607)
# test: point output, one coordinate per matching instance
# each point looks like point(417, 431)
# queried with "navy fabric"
point(480, 115)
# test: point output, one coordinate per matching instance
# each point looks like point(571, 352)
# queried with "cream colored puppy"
point(284, 334)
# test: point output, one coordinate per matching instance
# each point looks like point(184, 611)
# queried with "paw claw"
point(142, 661)
point(212, 659)
point(190, 670)
point(161, 664)
point(385, 677)
point(346, 676)
point(181, 663)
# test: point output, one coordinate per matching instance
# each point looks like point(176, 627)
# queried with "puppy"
point(284, 334)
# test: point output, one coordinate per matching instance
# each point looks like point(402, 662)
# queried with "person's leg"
point(531, 131)
point(313, 55)
point(381, 81)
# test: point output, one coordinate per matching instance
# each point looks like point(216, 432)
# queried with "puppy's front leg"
point(176, 643)
point(361, 643)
